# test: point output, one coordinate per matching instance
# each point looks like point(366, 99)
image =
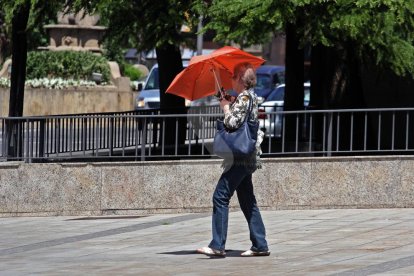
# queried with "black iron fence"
point(340, 132)
point(150, 134)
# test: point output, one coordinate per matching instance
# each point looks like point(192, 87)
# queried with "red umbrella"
point(206, 74)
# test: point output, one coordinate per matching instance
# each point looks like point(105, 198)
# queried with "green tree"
point(254, 22)
point(18, 13)
point(23, 16)
point(36, 37)
point(348, 38)
point(149, 24)
point(378, 32)
point(351, 40)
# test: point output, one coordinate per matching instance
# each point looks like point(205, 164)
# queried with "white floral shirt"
point(238, 111)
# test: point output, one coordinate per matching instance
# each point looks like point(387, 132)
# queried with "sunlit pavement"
point(303, 242)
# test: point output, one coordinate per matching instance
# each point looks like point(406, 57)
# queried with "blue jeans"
point(239, 179)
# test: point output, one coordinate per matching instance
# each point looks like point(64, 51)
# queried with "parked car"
point(206, 101)
point(271, 124)
point(268, 78)
point(149, 96)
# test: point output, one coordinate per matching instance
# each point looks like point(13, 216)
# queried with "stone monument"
point(76, 32)
point(79, 32)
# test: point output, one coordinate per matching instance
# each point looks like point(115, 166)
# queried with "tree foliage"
point(4, 39)
point(37, 35)
point(149, 23)
point(144, 24)
point(244, 22)
point(381, 30)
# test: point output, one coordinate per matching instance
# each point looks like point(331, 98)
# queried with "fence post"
point(144, 139)
point(42, 137)
point(111, 136)
point(14, 147)
point(329, 135)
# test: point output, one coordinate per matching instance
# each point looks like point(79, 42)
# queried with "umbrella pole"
point(217, 82)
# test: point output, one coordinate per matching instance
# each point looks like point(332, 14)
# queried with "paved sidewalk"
point(303, 242)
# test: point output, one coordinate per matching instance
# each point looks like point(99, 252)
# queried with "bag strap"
point(250, 108)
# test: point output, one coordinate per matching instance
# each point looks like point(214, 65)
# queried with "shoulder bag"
point(239, 143)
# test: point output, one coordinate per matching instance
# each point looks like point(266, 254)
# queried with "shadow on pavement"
point(182, 252)
point(229, 253)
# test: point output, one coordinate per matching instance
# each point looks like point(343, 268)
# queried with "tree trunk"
point(354, 98)
point(322, 68)
point(294, 91)
point(170, 64)
point(18, 78)
point(318, 78)
point(294, 71)
point(336, 84)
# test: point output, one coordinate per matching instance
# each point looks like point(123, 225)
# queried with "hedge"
point(66, 65)
point(133, 73)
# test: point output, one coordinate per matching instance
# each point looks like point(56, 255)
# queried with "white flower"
point(4, 82)
point(55, 83)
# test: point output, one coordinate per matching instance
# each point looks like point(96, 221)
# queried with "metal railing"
point(150, 135)
point(341, 132)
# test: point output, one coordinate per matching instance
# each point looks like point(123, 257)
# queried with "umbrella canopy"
point(206, 74)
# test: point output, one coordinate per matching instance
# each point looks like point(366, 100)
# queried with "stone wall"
point(42, 101)
point(187, 186)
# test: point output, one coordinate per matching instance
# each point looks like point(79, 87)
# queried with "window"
point(153, 82)
point(277, 95)
point(263, 81)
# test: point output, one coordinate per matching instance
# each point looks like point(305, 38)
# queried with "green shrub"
point(132, 72)
point(67, 65)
